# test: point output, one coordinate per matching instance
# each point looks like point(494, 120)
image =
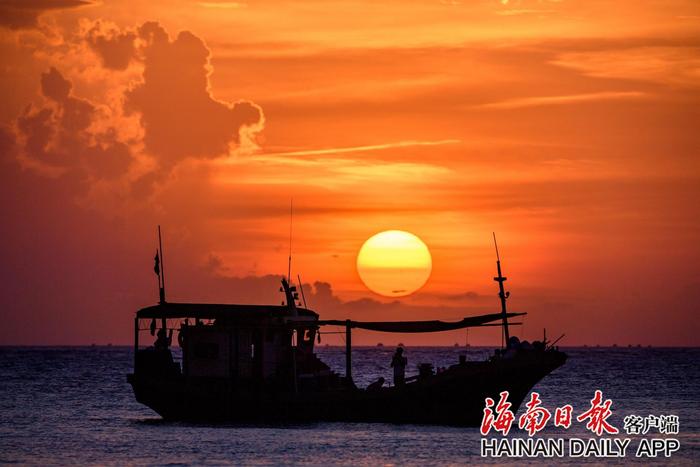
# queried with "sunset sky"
point(569, 128)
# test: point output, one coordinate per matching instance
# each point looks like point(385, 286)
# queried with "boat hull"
point(453, 397)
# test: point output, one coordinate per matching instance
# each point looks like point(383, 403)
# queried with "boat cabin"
point(248, 344)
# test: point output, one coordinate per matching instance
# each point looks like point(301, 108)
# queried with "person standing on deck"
point(398, 363)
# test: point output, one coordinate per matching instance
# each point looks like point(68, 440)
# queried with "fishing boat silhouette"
point(256, 363)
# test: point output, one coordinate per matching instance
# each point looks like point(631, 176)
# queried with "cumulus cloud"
point(7, 142)
point(24, 14)
point(58, 137)
point(115, 48)
point(148, 120)
point(180, 117)
point(55, 86)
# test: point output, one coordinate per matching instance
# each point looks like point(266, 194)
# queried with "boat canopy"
point(306, 317)
point(218, 311)
point(421, 326)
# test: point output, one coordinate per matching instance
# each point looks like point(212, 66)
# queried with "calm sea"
point(72, 405)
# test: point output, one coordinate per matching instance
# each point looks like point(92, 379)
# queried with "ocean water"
point(72, 405)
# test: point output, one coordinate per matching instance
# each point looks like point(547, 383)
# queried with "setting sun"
point(394, 263)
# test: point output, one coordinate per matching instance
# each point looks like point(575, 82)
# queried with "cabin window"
point(309, 335)
point(207, 350)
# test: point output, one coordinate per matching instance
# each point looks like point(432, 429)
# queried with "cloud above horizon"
point(24, 14)
point(574, 139)
point(177, 118)
point(57, 137)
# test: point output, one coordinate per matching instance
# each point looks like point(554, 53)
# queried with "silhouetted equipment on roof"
point(257, 363)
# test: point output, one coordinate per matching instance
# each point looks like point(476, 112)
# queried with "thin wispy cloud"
point(371, 147)
point(678, 65)
point(561, 100)
point(222, 5)
point(517, 12)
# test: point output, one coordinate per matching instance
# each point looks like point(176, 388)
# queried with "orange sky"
point(570, 128)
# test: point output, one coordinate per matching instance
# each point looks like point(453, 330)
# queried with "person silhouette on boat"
point(398, 363)
point(377, 385)
point(163, 341)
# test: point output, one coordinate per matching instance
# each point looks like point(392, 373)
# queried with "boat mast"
point(291, 217)
point(502, 294)
point(348, 351)
point(162, 279)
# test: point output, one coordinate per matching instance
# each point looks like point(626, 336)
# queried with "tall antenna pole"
point(162, 277)
point(498, 257)
point(302, 290)
point(502, 294)
point(289, 265)
point(162, 268)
